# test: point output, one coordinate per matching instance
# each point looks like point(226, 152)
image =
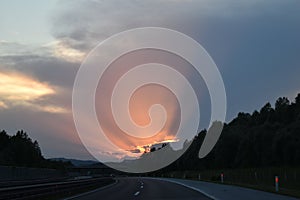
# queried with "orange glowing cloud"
point(18, 89)
point(139, 104)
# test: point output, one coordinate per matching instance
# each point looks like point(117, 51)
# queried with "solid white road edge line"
point(191, 187)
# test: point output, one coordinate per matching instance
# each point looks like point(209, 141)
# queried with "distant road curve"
point(142, 188)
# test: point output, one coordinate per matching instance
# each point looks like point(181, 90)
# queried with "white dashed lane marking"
point(137, 193)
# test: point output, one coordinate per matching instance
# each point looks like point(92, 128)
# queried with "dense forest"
point(20, 150)
point(266, 138)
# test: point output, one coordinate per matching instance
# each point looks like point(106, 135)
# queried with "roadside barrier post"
point(222, 177)
point(276, 183)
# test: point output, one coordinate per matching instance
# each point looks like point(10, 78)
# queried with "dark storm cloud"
point(254, 43)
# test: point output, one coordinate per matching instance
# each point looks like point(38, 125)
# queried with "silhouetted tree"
point(152, 149)
point(270, 137)
point(282, 103)
point(19, 150)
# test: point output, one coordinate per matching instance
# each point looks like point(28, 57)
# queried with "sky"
point(255, 45)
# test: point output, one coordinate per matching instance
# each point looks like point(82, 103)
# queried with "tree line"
point(269, 137)
point(20, 150)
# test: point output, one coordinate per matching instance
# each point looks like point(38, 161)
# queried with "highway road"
point(141, 188)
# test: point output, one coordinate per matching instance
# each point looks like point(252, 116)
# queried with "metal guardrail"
point(40, 191)
point(14, 183)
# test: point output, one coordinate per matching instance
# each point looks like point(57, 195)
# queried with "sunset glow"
point(19, 87)
point(19, 90)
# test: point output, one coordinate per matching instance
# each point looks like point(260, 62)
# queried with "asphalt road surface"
point(140, 188)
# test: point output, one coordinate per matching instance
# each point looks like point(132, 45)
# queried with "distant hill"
point(75, 162)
